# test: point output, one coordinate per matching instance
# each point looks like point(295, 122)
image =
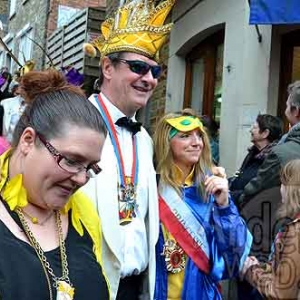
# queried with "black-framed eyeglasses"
point(142, 68)
point(69, 165)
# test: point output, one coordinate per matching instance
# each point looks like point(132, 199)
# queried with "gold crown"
point(137, 27)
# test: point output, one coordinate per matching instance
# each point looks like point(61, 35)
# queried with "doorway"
point(203, 82)
point(289, 69)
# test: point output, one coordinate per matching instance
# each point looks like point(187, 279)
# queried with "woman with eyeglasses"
point(202, 237)
point(49, 232)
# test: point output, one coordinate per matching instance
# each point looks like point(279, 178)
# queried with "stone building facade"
point(28, 20)
point(4, 16)
point(223, 67)
point(35, 20)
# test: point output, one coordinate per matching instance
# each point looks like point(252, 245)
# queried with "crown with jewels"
point(138, 26)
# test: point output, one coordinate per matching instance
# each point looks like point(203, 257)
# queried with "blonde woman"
point(280, 277)
point(202, 237)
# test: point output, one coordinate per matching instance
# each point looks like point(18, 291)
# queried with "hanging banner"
point(274, 12)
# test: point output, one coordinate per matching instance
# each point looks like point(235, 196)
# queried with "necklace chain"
point(35, 220)
point(41, 255)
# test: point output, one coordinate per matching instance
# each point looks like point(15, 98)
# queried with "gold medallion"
point(64, 291)
point(174, 256)
point(127, 202)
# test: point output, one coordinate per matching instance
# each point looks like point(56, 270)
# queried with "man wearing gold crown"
point(125, 193)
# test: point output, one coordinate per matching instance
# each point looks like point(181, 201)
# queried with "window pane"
point(296, 64)
point(12, 7)
point(8, 62)
point(25, 47)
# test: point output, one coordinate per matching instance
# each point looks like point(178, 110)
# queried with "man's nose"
point(148, 76)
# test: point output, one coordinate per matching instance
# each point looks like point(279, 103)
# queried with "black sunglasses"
point(142, 68)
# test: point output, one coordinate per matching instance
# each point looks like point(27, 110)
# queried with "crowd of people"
point(84, 214)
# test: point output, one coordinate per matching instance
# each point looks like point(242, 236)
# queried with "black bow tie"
point(131, 126)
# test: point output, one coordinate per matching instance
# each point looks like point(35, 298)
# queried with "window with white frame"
point(13, 4)
point(25, 44)
point(7, 60)
point(1, 59)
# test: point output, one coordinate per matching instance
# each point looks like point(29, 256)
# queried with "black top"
point(22, 276)
point(248, 170)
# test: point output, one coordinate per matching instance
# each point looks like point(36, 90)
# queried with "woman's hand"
point(218, 187)
point(219, 171)
point(249, 262)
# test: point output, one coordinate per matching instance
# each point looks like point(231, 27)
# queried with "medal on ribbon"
point(174, 256)
point(127, 184)
point(127, 202)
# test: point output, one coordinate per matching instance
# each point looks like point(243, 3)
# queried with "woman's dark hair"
point(272, 123)
point(52, 103)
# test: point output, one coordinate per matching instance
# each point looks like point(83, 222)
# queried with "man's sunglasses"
point(142, 68)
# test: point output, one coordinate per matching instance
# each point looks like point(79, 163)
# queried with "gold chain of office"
point(62, 284)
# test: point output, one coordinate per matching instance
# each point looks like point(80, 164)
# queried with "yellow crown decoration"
point(138, 26)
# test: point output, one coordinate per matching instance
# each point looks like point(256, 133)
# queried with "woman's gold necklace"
point(65, 290)
point(35, 220)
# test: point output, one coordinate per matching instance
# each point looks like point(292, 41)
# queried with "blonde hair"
point(163, 154)
point(290, 178)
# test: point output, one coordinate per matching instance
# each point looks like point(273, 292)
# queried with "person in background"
point(202, 239)
point(265, 134)
point(13, 86)
point(212, 128)
point(280, 277)
point(4, 144)
point(49, 231)
point(5, 79)
point(125, 193)
point(13, 109)
point(288, 148)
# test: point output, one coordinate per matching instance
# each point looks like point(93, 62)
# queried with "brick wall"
point(54, 4)
point(158, 99)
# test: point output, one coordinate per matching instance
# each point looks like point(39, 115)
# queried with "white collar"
point(114, 112)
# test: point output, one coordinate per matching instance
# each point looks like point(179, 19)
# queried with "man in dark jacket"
point(288, 148)
point(265, 133)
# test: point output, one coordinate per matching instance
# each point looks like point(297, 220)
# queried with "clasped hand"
point(249, 262)
point(217, 185)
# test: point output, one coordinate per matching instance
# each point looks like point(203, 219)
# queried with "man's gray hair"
point(114, 57)
point(294, 94)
